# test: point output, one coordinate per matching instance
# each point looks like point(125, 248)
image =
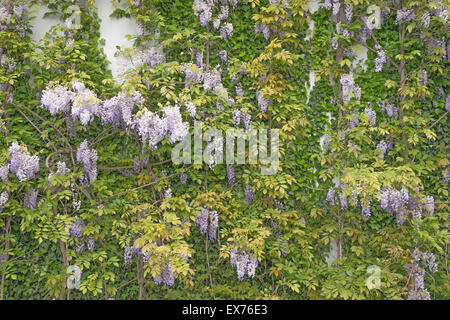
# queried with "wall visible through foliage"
point(355, 92)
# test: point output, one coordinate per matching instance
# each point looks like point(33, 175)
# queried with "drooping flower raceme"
point(152, 128)
point(118, 110)
point(30, 199)
point(244, 263)
point(380, 60)
point(88, 157)
point(208, 221)
point(391, 111)
point(76, 228)
point(23, 165)
point(4, 196)
point(371, 115)
point(56, 98)
point(4, 172)
point(263, 103)
point(85, 105)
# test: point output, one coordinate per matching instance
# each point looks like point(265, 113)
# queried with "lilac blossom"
point(223, 15)
point(349, 86)
point(211, 80)
point(223, 56)
point(239, 90)
point(429, 205)
point(168, 193)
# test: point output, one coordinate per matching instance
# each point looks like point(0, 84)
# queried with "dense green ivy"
point(291, 225)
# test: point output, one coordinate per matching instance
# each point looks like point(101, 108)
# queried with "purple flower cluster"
point(203, 11)
point(56, 98)
point(128, 254)
point(91, 244)
point(183, 178)
point(211, 80)
point(349, 86)
point(244, 263)
point(426, 19)
point(380, 60)
point(30, 199)
point(153, 128)
point(223, 55)
point(149, 57)
point(325, 142)
point(211, 227)
point(4, 196)
point(22, 164)
point(118, 110)
point(85, 104)
point(4, 172)
point(214, 152)
point(89, 159)
point(330, 195)
point(405, 15)
point(417, 290)
point(263, 103)
point(226, 30)
point(138, 164)
point(191, 109)
point(231, 174)
point(168, 193)
point(166, 275)
point(446, 178)
point(243, 117)
point(76, 228)
point(384, 147)
point(401, 202)
point(365, 211)
point(248, 193)
point(371, 115)
point(348, 12)
point(152, 58)
point(391, 111)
